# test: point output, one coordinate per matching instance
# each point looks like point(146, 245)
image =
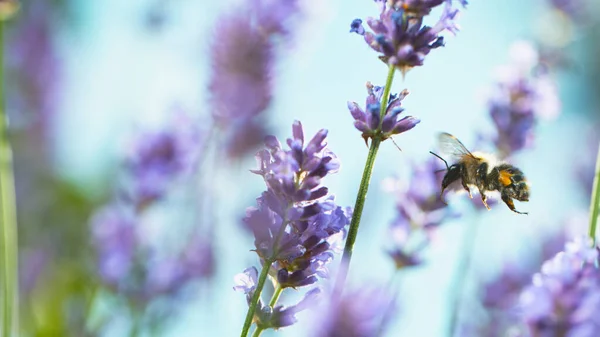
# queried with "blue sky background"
point(121, 75)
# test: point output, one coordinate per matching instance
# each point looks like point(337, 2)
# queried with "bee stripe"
point(504, 178)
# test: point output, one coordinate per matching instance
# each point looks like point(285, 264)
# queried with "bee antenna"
point(442, 159)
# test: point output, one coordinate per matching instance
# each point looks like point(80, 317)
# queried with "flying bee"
point(478, 170)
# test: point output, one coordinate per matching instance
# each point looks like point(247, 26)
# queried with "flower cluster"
point(296, 223)
point(522, 95)
point(420, 211)
point(296, 220)
point(156, 159)
point(565, 295)
point(368, 121)
point(128, 262)
point(243, 57)
point(266, 316)
point(399, 34)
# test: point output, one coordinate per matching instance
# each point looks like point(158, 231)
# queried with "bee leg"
point(467, 189)
point(509, 202)
point(442, 196)
point(484, 199)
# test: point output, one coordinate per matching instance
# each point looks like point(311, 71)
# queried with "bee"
point(480, 171)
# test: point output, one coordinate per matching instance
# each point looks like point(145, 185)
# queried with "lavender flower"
point(113, 235)
point(155, 159)
point(520, 98)
point(367, 121)
point(296, 220)
point(272, 317)
point(34, 66)
point(399, 34)
point(576, 10)
point(119, 244)
point(420, 211)
point(243, 57)
point(358, 313)
point(565, 296)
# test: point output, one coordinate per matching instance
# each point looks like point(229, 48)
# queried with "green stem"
point(257, 332)
point(272, 303)
point(8, 227)
point(254, 301)
point(276, 295)
point(457, 287)
point(595, 202)
point(362, 190)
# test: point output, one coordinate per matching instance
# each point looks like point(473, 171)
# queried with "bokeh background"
point(86, 78)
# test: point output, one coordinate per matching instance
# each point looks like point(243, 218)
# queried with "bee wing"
point(451, 146)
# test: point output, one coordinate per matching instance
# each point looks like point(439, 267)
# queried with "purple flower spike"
point(296, 223)
point(399, 34)
point(296, 217)
point(564, 298)
point(156, 159)
point(521, 97)
point(243, 57)
point(367, 121)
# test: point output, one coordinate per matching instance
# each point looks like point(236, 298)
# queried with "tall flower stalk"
point(402, 41)
point(8, 208)
point(295, 224)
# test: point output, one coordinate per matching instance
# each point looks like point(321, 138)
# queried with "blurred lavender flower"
point(522, 96)
point(243, 57)
point(296, 219)
point(155, 159)
point(399, 34)
point(32, 60)
point(576, 10)
point(420, 212)
point(565, 296)
point(138, 270)
point(113, 235)
point(367, 121)
point(358, 313)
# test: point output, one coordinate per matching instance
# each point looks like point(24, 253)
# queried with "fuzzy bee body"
point(482, 172)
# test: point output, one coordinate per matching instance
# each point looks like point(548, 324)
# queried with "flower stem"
point(276, 295)
point(254, 301)
point(595, 202)
point(8, 228)
point(362, 191)
point(257, 332)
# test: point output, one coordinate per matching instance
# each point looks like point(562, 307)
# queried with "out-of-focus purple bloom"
point(564, 298)
point(358, 313)
point(155, 159)
point(243, 56)
point(368, 121)
point(576, 10)
point(35, 68)
point(119, 246)
point(399, 34)
point(420, 211)
point(113, 235)
point(521, 97)
point(296, 218)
